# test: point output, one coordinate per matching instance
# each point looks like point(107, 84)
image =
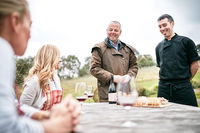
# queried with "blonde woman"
point(42, 87)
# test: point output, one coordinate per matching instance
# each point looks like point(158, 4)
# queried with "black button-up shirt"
point(174, 58)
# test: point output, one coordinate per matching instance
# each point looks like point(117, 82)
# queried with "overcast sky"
point(76, 25)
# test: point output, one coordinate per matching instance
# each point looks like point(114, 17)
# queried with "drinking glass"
point(89, 92)
point(80, 92)
point(127, 95)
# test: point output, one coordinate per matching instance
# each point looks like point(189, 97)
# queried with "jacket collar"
point(167, 43)
point(108, 43)
point(172, 37)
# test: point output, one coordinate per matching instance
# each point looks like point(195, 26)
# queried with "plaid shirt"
point(53, 97)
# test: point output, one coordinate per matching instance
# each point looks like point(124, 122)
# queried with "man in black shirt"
point(178, 61)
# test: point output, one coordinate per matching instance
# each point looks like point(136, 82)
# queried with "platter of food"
point(153, 102)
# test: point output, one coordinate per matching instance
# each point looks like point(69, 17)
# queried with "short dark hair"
point(169, 17)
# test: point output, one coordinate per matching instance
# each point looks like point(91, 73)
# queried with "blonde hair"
point(7, 7)
point(45, 64)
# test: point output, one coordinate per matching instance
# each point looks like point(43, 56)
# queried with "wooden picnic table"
point(108, 118)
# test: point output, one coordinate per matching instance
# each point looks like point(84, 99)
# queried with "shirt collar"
point(7, 44)
point(172, 37)
point(111, 44)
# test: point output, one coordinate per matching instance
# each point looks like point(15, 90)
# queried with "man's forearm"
point(194, 68)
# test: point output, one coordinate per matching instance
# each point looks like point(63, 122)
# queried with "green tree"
point(85, 69)
point(70, 66)
point(145, 60)
point(22, 68)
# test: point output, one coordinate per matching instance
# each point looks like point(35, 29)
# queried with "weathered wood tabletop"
point(108, 118)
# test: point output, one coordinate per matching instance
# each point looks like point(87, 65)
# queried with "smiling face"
point(113, 32)
point(166, 28)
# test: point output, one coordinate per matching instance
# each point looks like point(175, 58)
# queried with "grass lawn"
point(147, 78)
point(198, 95)
point(148, 84)
point(69, 85)
point(197, 76)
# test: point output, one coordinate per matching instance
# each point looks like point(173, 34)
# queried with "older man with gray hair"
point(112, 59)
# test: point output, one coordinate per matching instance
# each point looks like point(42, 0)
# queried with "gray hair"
point(115, 22)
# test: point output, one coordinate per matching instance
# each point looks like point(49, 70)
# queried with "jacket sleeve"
point(133, 67)
point(191, 50)
point(29, 93)
point(96, 66)
point(11, 122)
point(157, 57)
point(28, 110)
